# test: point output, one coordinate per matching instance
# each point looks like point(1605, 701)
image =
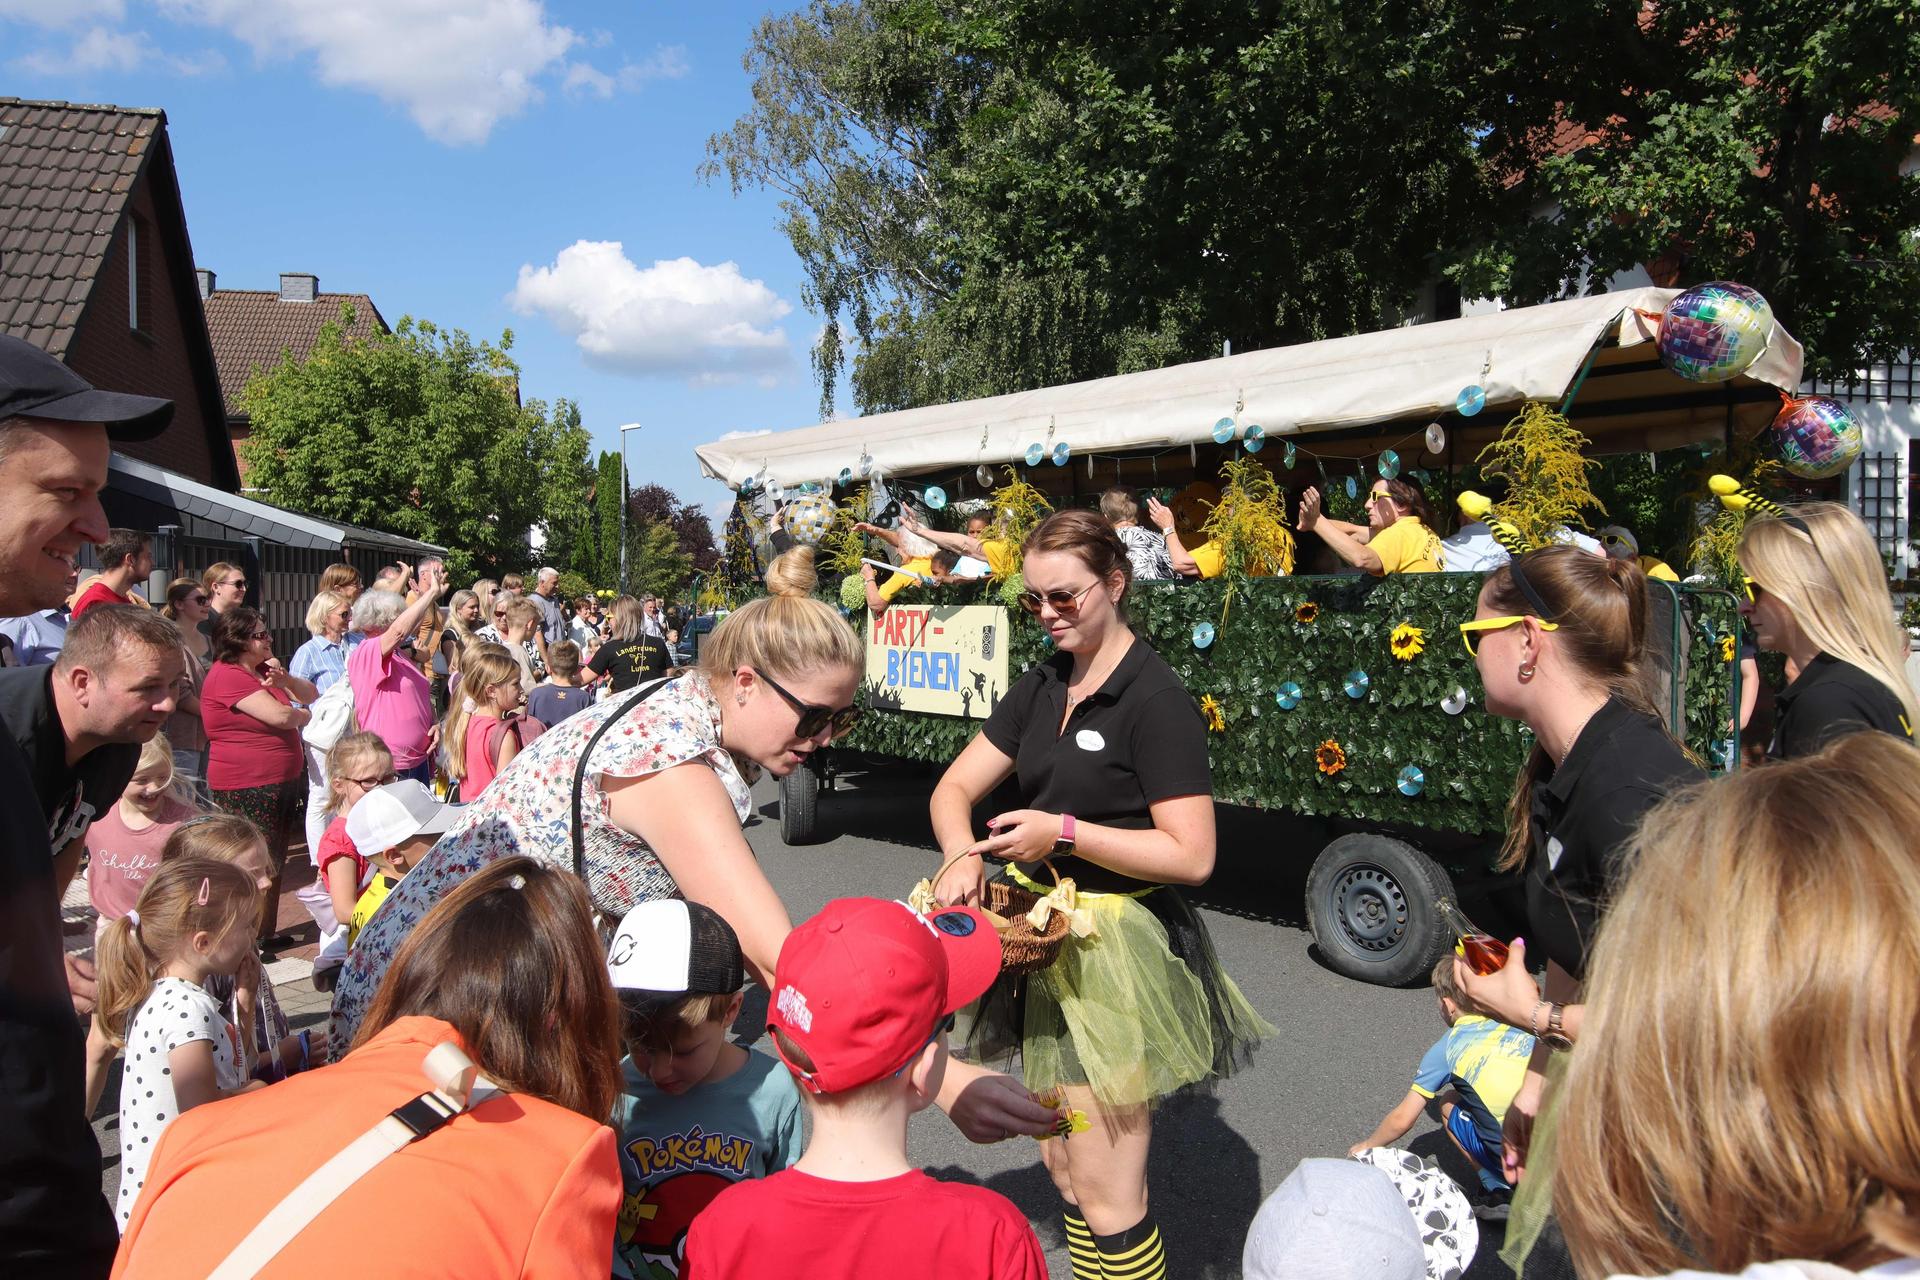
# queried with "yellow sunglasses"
point(1470, 631)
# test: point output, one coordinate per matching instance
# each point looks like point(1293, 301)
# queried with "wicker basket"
point(1023, 948)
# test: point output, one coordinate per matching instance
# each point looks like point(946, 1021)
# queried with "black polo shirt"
point(1622, 764)
point(70, 798)
point(1137, 740)
point(1830, 699)
point(53, 1219)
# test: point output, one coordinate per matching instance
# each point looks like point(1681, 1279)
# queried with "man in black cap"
point(54, 439)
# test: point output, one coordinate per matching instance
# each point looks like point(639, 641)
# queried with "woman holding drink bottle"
point(1557, 638)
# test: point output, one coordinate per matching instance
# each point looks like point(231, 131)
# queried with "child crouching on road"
point(1482, 1064)
point(864, 995)
point(696, 1113)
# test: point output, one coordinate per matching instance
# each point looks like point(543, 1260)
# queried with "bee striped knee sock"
point(1134, 1254)
point(1080, 1250)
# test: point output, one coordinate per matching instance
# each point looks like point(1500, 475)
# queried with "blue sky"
point(476, 162)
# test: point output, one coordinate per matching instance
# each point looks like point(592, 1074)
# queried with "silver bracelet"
point(1533, 1019)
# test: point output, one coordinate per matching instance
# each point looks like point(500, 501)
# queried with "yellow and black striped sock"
point(1080, 1250)
point(1134, 1254)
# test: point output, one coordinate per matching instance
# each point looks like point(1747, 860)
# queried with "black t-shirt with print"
point(70, 798)
point(1584, 812)
point(1829, 700)
point(54, 1221)
point(1137, 740)
point(628, 662)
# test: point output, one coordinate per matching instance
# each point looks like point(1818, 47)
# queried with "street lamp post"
point(631, 426)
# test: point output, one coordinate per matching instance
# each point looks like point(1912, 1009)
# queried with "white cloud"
point(99, 49)
point(458, 67)
point(668, 62)
point(677, 317)
point(62, 13)
point(747, 435)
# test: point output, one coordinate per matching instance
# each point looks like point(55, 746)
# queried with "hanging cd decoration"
point(866, 464)
point(984, 474)
point(1255, 438)
point(1353, 487)
point(1291, 454)
point(1470, 401)
point(746, 486)
point(1356, 684)
point(1287, 696)
point(1389, 464)
point(1223, 431)
point(1454, 703)
point(1036, 454)
point(1413, 780)
point(1436, 438)
point(935, 497)
point(1202, 634)
point(846, 477)
point(1060, 454)
point(775, 490)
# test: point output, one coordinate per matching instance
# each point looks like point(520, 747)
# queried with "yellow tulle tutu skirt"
point(1137, 1012)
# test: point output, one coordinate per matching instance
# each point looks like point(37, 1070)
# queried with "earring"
point(739, 699)
point(1526, 671)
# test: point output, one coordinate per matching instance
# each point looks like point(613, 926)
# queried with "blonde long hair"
point(353, 751)
point(1832, 580)
point(1745, 1088)
point(786, 631)
point(133, 957)
point(482, 666)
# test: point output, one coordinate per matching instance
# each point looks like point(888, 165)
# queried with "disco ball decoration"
point(1713, 332)
point(1815, 437)
point(809, 518)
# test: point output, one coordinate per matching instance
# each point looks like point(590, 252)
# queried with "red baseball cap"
point(862, 986)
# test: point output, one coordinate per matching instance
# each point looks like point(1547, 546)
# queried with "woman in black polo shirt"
point(1557, 639)
point(1111, 758)
point(1819, 595)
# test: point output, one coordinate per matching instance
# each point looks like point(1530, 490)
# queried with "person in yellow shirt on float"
point(1399, 536)
point(1180, 521)
point(1622, 545)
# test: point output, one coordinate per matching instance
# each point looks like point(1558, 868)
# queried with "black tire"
point(800, 806)
point(1370, 903)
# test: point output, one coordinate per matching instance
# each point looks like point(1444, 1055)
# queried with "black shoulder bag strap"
point(580, 781)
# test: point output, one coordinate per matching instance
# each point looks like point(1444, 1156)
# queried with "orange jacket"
point(516, 1187)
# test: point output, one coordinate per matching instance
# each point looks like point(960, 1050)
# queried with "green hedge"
point(1265, 756)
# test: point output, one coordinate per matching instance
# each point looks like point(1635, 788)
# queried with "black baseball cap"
point(35, 385)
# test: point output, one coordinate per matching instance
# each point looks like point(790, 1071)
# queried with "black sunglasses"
point(813, 717)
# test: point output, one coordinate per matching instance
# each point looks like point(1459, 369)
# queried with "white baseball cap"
point(671, 948)
point(398, 811)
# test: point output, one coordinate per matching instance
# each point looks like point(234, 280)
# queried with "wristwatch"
point(1555, 1037)
point(1065, 843)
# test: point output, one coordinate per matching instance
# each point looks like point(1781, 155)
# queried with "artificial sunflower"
point(1307, 612)
point(1407, 642)
point(1726, 648)
point(1216, 715)
point(1330, 757)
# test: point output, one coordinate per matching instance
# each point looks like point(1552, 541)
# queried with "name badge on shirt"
point(1089, 740)
point(1554, 850)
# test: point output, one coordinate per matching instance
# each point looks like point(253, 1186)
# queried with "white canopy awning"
point(1395, 376)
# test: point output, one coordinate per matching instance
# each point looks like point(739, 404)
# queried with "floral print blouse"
point(528, 810)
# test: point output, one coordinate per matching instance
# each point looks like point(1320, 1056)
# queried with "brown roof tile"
point(65, 172)
point(251, 327)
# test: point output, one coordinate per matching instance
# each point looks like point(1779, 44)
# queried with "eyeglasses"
point(1470, 631)
point(1065, 603)
point(813, 717)
point(368, 784)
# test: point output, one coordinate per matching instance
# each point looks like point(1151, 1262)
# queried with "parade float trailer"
point(1343, 700)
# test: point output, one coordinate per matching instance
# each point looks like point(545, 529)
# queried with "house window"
point(139, 298)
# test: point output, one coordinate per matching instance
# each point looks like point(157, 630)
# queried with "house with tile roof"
point(96, 268)
point(253, 330)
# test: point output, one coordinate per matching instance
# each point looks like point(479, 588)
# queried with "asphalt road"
point(1344, 1056)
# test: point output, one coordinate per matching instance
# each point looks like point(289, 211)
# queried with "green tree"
point(420, 432)
point(598, 556)
point(655, 561)
point(1761, 141)
point(989, 197)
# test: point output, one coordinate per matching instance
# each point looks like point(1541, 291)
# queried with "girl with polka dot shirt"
point(193, 922)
